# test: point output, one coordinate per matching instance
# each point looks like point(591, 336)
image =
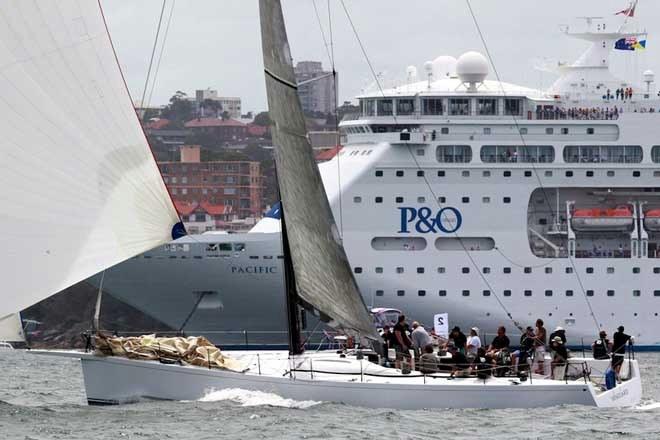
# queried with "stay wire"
point(524, 144)
point(428, 184)
point(160, 55)
point(153, 53)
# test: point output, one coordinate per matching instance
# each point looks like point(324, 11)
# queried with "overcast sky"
point(216, 43)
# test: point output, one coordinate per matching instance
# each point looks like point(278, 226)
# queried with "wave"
point(256, 398)
point(648, 406)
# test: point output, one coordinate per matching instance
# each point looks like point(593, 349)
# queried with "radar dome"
point(411, 72)
point(472, 67)
point(444, 66)
point(649, 76)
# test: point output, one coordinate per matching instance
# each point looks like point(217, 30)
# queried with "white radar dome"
point(411, 73)
point(472, 67)
point(649, 76)
point(444, 66)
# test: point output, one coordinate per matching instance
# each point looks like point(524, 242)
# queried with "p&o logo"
point(424, 221)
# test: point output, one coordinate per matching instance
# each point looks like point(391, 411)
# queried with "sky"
point(216, 43)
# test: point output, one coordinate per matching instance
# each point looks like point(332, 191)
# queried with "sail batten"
point(81, 189)
point(323, 275)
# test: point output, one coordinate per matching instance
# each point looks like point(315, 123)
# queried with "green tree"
point(262, 119)
point(211, 105)
point(180, 109)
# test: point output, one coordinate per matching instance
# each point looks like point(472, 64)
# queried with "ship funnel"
point(472, 69)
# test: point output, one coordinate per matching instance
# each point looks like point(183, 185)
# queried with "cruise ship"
point(453, 193)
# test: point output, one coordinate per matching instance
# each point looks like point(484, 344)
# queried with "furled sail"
point(323, 276)
point(11, 328)
point(80, 188)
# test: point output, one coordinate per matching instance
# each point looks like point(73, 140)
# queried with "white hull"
point(115, 380)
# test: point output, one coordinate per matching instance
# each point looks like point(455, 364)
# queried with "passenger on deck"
point(460, 364)
point(602, 346)
point(559, 331)
point(560, 355)
point(520, 356)
point(539, 346)
point(473, 343)
point(428, 361)
point(420, 338)
point(388, 339)
point(499, 342)
point(458, 338)
point(619, 348)
point(402, 342)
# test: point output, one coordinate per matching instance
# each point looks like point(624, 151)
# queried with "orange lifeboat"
point(652, 220)
point(603, 219)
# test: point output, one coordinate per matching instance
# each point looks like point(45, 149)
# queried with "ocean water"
point(43, 398)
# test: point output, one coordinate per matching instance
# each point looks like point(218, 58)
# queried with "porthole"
point(636, 174)
point(441, 174)
point(420, 270)
point(399, 270)
point(421, 199)
point(465, 270)
point(379, 200)
point(357, 199)
point(548, 270)
point(589, 174)
point(485, 173)
point(569, 173)
point(442, 293)
point(528, 174)
point(399, 173)
point(421, 293)
point(637, 293)
point(528, 293)
point(569, 293)
point(400, 292)
point(507, 293)
point(379, 270)
point(610, 270)
point(486, 270)
point(548, 293)
point(420, 173)
point(590, 293)
point(527, 270)
point(399, 200)
point(465, 173)
point(441, 270)
point(506, 270)
point(486, 292)
point(611, 173)
point(466, 293)
point(548, 174)
point(590, 270)
point(506, 200)
point(465, 199)
point(569, 270)
point(610, 293)
point(506, 173)
point(358, 270)
point(380, 293)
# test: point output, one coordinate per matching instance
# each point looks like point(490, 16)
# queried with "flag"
point(630, 43)
point(629, 11)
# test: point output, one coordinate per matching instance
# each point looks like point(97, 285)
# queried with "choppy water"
point(43, 398)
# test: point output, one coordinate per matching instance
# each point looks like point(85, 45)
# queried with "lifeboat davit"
point(652, 220)
point(599, 219)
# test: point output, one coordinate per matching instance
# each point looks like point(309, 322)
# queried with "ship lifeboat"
point(652, 220)
point(599, 219)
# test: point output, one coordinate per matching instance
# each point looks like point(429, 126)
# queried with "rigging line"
point(160, 55)
point(499, 251)
point(325, 41)
point(428, 184)
point(332, 43)
point(153, 53)
point(522, 138)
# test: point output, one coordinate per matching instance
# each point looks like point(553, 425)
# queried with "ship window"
point(441, 174)
point(610, 270)
point(357, 199)
point(548, 293)
point(543, 221)
point(486, 292)
point(486, 130)
point(506, 199)
point(420, 173)
point(528, 174)
point(636, 173)
point(398, 243)
point(610, 173)
point(656, 293)
point(603, 153)
point(507, 174)
point(405, 106)
point(420, 270)
point(513, 106)
point(421, 199)
point(548, 270)
point(590, 130)
point(465, 199)
point(569, 293)
point(465, 173)
point(379, 200)
point(399, 200)
point(379, 173)
point(548, 174)
point(507, 293)
point(589, 174)
point(442, 293)
point(486, 106)
point(564, 130)
point(517, 153)
point(637, 293)
point(442, 199)
point(421, 293)
point(486, 269)
point(399, 270)
point(368, 107)
point(453, 153)
point(358, 270)
point(549, 130)
point(432, 106)
point(656, 270)
point(379, 270)
point(441, 270)
point(459, 106)
point(528, 293)
point(467, 292)
point(528, 270)
point(506, 270)
point(485, 173)
point(569, 173)
point(384, 107)
point(569, 270)
point(444, 130)
point(400, 292)
point(485, 199)
point(635, 269)
point(239, 247)
point(254, 257)
point(590, 270)
point(399, 173)
point(523, 130)
point(590, 293)
point(610, 293)
point(380, 293)
point(465, 270)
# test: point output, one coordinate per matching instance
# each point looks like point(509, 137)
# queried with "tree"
point(225, 115)
point(180, 109)
point(212, 105)
point(262, 119)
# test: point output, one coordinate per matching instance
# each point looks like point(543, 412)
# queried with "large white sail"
point(11, 328)
point(80, 188)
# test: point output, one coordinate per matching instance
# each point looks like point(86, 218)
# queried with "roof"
point(187, 208)
point(328, 153)
point(213, 122)
point(157, 124)
point(184, 208)
point(257, 130)
point(215, 209)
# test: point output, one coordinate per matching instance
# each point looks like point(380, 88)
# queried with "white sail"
point(11, 328)
point(80, 188)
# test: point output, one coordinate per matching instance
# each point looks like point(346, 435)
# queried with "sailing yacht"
point(318, 276)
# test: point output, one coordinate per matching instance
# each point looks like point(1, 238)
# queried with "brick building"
point(224, 130)
point(224, 183)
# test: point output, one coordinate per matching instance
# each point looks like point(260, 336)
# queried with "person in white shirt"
point(420, 338)
point(473, 342)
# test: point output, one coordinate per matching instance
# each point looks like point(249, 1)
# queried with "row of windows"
point(422, 199)
point(506, 270)
point(527, 293)
point(545, 154)
point(508, 173)
point(436, 106)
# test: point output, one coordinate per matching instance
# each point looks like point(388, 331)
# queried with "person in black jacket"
point(619, 348)
point(602, 346)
